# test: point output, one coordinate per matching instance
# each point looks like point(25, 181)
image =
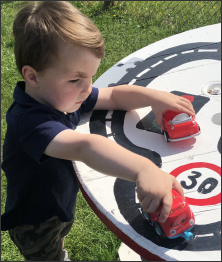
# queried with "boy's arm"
point(130, 97)
point(105, 156)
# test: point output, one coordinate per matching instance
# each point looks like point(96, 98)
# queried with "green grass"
point(126, 27)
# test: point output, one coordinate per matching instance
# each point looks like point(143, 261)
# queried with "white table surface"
point(185, 63)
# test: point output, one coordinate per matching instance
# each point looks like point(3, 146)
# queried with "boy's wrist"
point(152, 96)
point(128, 97)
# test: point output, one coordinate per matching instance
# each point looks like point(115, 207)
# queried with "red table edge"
point(120, 234)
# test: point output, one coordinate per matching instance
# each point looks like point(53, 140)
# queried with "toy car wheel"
point(159, 230)
point(147, 217)
point(166, 136)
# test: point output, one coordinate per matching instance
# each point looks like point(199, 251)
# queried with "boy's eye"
point(74, 81)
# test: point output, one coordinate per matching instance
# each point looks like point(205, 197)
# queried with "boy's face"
point(68, 82)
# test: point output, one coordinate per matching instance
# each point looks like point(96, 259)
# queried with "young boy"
point(57, 51)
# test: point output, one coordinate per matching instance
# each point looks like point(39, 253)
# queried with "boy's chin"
point(75, 108)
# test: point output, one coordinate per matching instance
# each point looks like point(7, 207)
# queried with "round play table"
point(184, 64)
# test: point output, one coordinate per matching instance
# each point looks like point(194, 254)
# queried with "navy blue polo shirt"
point(38, 186)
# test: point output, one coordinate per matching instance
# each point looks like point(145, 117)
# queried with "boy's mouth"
point(80, 102)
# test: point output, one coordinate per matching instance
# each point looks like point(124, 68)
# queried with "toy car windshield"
point(181, 118)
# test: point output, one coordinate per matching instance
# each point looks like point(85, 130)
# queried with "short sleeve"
point(90, 102)
point(37, 128)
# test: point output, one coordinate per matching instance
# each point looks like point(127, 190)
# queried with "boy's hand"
point(163, 101)
point(157, 188)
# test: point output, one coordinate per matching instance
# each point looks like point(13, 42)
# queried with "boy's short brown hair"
point(39, 25)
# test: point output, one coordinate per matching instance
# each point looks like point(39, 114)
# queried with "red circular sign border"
point(199, 202)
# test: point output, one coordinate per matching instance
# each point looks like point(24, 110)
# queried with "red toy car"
point(179, 126)
point(180, 221)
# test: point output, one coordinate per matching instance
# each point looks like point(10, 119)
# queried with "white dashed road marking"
point(169, 57)
point(207, 50)
point(143, 72)
point(157, 63)
point(132, 82)
point(186, 52)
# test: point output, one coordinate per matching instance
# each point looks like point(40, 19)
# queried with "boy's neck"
point(31, 92)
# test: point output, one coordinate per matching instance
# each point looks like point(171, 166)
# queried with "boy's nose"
point(87, 90)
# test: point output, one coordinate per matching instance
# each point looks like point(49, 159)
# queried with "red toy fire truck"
point(180, 221)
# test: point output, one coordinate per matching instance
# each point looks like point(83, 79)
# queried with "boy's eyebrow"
point(82, 74)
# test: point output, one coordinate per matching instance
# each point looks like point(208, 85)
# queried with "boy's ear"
point(30, 75)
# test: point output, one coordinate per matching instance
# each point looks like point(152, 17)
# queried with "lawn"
point(126, 27)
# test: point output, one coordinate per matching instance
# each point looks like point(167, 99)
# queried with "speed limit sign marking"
point(206, 187)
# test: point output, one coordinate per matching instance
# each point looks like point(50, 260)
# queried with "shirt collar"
point(21, 97)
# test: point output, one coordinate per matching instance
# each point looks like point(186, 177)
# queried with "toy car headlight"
point(191, 221)
point(173, 231)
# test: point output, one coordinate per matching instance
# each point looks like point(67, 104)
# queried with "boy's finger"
point(159, 122)
point(178, 188)
point(167, 204)
point(184, 106)
point(154, 204)
point(187, 106)
point(145, 203)
point(187, 111)
point(186, 100)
